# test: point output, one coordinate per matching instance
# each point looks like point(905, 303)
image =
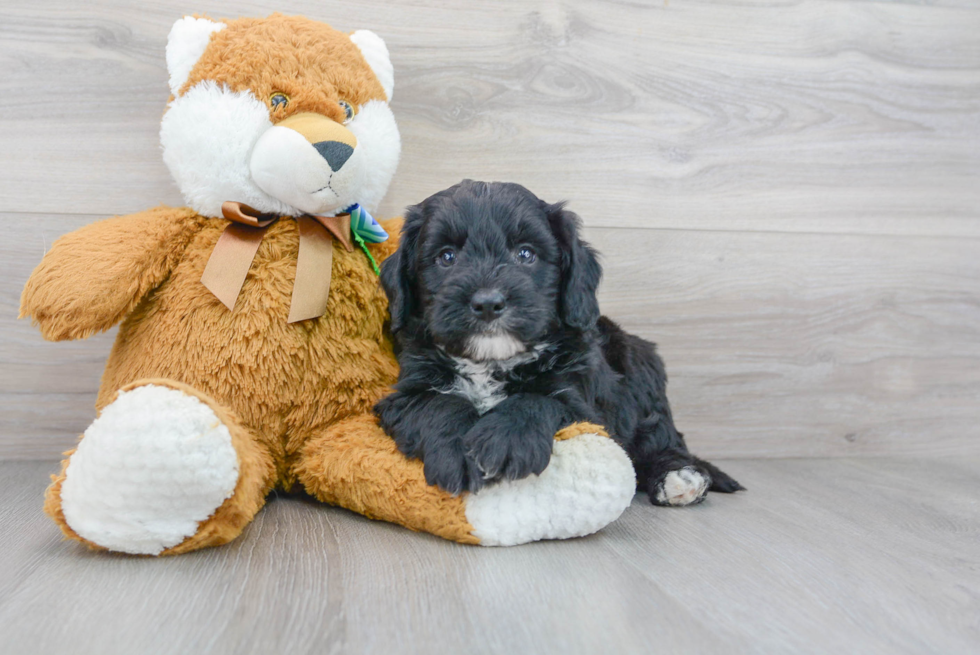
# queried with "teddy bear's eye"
point(348, 111)
point(279, 100)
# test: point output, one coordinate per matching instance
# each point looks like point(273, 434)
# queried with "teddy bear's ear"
point(376, 53)
point(186, 42)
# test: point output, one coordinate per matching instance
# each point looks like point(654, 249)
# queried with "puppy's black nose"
point(488, 304)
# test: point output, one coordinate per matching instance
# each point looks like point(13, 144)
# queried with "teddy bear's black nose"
point(488, 304)
point(335, 152)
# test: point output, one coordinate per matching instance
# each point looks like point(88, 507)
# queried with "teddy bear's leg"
point(587, 485)
point(164, 469)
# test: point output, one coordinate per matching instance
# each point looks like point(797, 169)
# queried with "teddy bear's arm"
point(92, 277)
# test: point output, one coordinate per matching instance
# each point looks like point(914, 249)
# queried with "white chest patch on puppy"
point(495, 347)
point(477, 382)
point(482, 382)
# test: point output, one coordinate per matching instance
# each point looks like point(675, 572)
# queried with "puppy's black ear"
point(398, 273)
point(580, 270)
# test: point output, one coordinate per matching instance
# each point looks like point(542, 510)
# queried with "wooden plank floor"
point(819, 556)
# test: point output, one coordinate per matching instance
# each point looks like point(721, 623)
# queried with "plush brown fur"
point(298, 71)
point(92, 278)
point(377, 481)
point(576, 429)
point(276, 385)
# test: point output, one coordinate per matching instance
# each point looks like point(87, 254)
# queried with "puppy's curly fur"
point(493, 303)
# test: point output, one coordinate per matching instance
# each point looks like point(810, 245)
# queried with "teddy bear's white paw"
point(587, 485)
point(684, 486)
point(154, 465)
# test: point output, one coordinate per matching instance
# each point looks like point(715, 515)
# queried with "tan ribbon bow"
point(233, 254)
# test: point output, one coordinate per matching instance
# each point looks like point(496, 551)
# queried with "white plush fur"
point(187, 41)
point(207, 136)
point(211, 143)
point(288, 168)
point(376, 53)
point(682, 487)
point(587, 485)
point(150, 469)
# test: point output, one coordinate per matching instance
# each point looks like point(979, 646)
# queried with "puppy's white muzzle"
point(308, 161)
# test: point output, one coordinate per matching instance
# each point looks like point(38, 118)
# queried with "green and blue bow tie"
point(365, 230)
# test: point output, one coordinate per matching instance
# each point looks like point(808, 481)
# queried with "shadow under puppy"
point(493, 304)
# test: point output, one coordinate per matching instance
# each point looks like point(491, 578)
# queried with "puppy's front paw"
point(686, 486)
point(503, 449)
point(450, 469)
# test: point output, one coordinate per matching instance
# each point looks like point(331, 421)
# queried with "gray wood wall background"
point(786, 193)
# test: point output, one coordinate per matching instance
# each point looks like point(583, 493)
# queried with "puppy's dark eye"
point(279, 100)
point(446, 257)
point(526, 255)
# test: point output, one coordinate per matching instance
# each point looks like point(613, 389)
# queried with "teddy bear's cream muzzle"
point(308, 161)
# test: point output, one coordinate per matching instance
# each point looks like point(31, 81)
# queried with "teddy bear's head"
point(284, 114)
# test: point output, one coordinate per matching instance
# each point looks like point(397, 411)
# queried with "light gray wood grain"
point(786, 344)
point(818, 556)
point(817, 116)
point(777, 344)
point(839, 551)
point(809, 168)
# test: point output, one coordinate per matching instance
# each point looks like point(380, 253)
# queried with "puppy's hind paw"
point(686, 486)
point(725, 484)
point(720, 481)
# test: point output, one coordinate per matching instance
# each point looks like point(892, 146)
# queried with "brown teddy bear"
point(252, 344)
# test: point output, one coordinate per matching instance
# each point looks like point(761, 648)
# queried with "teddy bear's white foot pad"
point(587, 485)
point(154, 465)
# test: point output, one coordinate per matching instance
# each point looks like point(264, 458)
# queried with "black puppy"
point(493, 304)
